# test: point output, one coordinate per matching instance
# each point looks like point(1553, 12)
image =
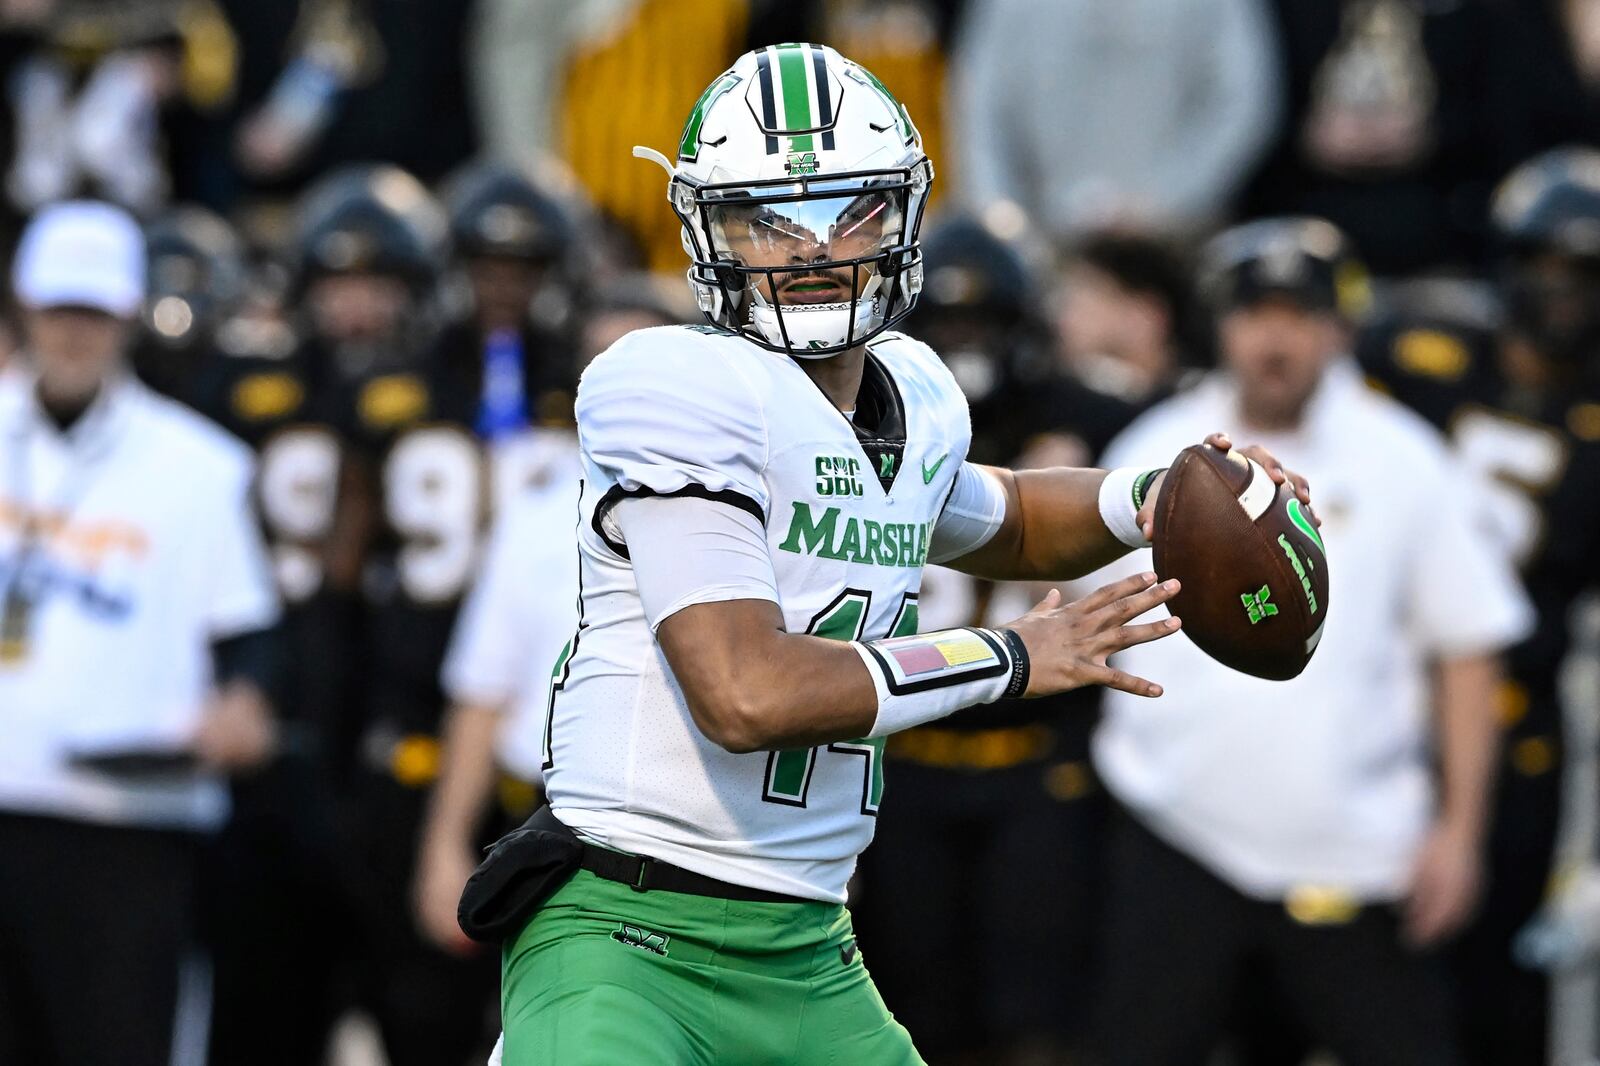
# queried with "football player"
point(439, 433)
point(196, 269)
point(360, 261)
point(760, 496)
point(1517, 393)
point(513, 240)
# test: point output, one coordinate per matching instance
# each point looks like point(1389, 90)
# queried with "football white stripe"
point(1259, 493)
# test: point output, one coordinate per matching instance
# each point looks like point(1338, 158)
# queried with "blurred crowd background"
point(384, 236)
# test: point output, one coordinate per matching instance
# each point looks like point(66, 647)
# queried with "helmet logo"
point(800, 163)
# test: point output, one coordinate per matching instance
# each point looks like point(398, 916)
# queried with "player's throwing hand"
point(1068, 643)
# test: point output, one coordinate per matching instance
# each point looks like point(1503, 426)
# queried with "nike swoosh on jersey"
point(929, 471)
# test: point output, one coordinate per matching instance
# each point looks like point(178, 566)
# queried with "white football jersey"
point(848, 516)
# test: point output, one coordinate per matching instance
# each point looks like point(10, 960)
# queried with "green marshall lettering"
point(874, 539)
point(862, 540)
point(1299, 571)
point(817, 536)
point(850, 546)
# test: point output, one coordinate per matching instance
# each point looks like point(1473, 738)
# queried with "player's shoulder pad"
point(670, 410)
point(915, 364)
point(391, 401)
point(899, 350)
point(1434, 330)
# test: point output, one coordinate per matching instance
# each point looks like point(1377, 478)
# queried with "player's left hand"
point(1445, 884)
point(1275, 470)
point(238, 731)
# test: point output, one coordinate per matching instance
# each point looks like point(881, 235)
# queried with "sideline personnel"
point(135, 659)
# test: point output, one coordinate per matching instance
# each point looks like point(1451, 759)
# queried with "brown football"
point(1254, 573)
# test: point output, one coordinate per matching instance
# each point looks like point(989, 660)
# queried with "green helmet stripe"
point(697, 117)
point(796, 95)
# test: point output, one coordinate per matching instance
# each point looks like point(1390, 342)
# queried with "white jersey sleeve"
point(690, 551)
point(662, 415)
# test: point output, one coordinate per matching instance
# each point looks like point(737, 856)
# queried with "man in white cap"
point(135, 660)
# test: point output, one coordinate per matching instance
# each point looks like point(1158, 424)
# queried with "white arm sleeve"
point(687, 550)
point(971, 517)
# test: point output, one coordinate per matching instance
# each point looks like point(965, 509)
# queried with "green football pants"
point(605, 976)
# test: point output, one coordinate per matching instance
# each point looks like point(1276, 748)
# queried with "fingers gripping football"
point(1068, 643)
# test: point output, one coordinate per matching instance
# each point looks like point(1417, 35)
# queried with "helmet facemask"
point(810, 267)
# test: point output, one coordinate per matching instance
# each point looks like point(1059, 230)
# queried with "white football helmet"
point(799, 173)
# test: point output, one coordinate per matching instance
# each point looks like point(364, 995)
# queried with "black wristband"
point(1019, 665)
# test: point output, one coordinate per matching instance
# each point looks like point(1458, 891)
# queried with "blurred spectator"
point(510, 633)
point(1122, 317)
point(112, 98)
point(1402, 115)
point(136, 662)
point(980, 311)
point(324, 83)
point(519, 50)
point(1517, 392)
point(1294, 828)
point(1149, 112)
point(616, 92)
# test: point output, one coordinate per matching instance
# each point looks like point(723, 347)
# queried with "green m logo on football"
point(1259, 605)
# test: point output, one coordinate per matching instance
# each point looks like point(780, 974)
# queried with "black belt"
point(644, 874)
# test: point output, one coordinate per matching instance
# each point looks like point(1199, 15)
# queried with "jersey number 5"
point(788, 777)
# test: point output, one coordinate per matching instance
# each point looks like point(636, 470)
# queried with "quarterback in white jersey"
point(760, 497)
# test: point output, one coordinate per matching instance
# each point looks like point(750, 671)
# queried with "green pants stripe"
point(604, 975)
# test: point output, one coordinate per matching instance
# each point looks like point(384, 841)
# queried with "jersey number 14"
point(788, 777)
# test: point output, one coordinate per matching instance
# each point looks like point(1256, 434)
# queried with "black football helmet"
point(495, 210)
point(1546, 216)
point(197, 275)
point(1307, 260)
point(374, 219)
point(978, 306)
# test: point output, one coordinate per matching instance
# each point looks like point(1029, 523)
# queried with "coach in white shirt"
point(1327, 830)
point(135, 657)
